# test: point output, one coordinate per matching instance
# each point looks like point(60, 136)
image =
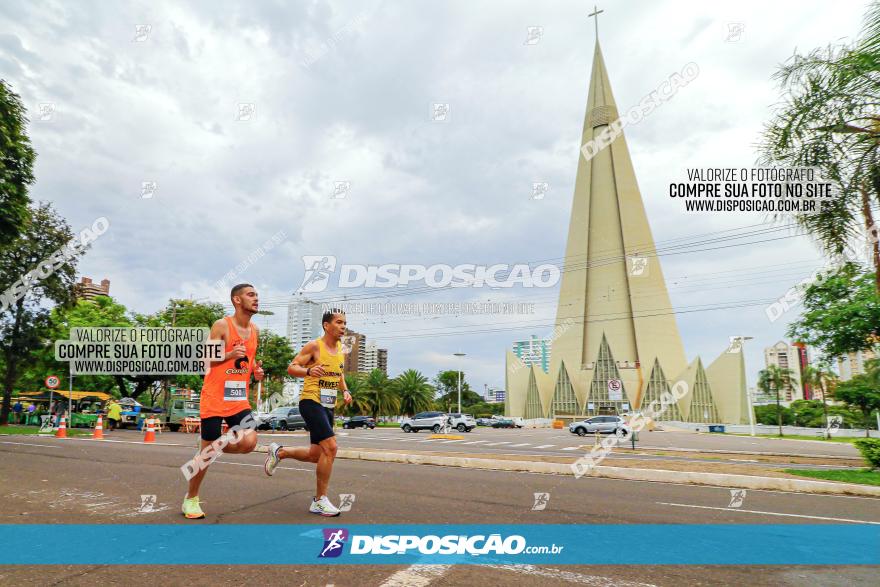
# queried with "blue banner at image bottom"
point(338, 543)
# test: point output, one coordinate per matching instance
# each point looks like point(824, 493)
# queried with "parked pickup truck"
point(179, 409)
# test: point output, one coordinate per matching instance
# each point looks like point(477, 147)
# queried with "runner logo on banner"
point(615, 390)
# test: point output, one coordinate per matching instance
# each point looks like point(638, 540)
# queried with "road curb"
point(588, 447)
point(624, 473)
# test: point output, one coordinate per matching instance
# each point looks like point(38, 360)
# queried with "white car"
point(462, 422)
point(432, 421)
point(600, 424)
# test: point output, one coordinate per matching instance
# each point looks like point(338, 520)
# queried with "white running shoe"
point(323, 507)
point(272, 459)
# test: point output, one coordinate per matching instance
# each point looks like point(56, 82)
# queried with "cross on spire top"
point(596, 13)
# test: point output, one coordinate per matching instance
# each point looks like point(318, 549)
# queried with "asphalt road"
point(46, 480)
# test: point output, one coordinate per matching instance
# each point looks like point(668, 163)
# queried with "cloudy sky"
point(241, 117)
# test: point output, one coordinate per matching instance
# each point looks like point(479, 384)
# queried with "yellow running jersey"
point(324, 389)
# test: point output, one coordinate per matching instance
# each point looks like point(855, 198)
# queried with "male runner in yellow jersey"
point(321, 364)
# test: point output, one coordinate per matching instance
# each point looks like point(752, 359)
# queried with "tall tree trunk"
point(778, 411)
point(11, 364)
point(871, 230)
point(825, 409)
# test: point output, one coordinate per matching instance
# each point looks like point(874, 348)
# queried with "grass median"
point(844, 439)
point(859, 476)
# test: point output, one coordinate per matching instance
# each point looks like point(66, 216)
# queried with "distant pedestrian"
point(16, 411)
point(114, 414)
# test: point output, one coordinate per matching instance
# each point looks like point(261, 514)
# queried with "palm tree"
point(414, 392)
point(380, 393)
point(821, 377)
point(774, 378)
point(830, 119)
point(360, 402)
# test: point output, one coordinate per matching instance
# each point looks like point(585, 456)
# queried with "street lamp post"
point(459, 355)
point(748, 395)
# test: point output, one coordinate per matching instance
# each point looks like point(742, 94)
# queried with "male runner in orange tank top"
point(320, 364)
point(225, 390)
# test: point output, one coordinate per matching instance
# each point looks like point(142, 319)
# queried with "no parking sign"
point(52, 381)
point(615, 389)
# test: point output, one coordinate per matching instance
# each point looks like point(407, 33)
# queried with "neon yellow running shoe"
point(191, 508)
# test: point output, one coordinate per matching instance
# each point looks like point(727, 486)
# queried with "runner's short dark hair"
point(238, 288)
point(328, 315)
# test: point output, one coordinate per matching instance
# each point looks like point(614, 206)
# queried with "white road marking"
point(260, 466)
point(416, 576)
point(448, 441)
point(568, 576)
point(29, 444)
point(523, 444)
point(571, 448)
point(705, 507)
point(127, 441)
point(496, 443)
point(546, 446)
point(475, 442)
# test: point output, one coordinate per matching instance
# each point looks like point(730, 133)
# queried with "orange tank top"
point(225, 390)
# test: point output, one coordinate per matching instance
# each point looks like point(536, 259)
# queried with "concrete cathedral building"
point(618, 346)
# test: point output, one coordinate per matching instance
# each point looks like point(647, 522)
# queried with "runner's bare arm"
point(346, 395)
point(303, 360)
point(219, 331)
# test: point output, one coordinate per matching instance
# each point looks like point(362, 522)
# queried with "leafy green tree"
point(276, 354)
point(99, 311)
point(841, 312)
point(414, 392)
point(772, 380)
point(360, 403)
point(771, 414)
point(446, 383)
point(177, 313)
point(861, 393)
point(820, 377)
point(24, 324)
point(16, 165)
point(828, 119)
point(485, 410)
point(380, 394)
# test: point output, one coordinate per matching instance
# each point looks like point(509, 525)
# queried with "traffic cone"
point(150, 434)
point(98, 433)
point(62, 429)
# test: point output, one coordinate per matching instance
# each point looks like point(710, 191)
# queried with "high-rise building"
point(534, 351)
point(355, 344)
point(369, 358)
point(87, 290)
point(854, 363)
point(303, 322)
point(617, 345)
point(794, 358)
point(382, 360)
point(362, 355)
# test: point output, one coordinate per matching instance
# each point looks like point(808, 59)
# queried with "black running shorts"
point(318, 418)
point(212, 426)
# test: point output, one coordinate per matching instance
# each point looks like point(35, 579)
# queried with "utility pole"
point(459, 355)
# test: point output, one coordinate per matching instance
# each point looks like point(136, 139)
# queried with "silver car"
point(432, 421)
point(462, 422)
point(600, 424)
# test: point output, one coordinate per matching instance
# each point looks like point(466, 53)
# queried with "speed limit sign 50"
point(52, 381)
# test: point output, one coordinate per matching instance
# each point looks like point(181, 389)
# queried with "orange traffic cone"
point(62, 429)
point(150, 434)
point(98, 433)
